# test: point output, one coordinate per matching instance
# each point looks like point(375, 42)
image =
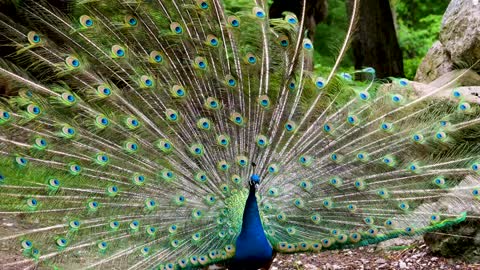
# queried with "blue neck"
point(252, 245)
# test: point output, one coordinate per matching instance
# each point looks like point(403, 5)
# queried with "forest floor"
point(414, 256)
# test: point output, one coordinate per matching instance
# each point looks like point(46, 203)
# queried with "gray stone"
point(460, 33)
point(436, 63)
point(458, 45)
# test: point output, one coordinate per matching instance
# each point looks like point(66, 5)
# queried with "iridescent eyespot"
point(101, 159)
point(112, 191)
point(386, 126)
point(236, 179)
point(196, 149)
point(172, 115)
point(237, 119)
point(364, 95)
point(273, 168)
point(204, 124)
point(352, 119)
point(233, 21)
point(101, 121)
point(201, 177)
point(132, 122)
point(197, 213)
point(212, 40)
point(117, 51)
point(200, 62)
point(146, 81)
point(346, 76)
point(397, 98)
point(403, 205)
point(103, 91)
point(320, 82)
point(86, 21)
point(4, 116)
point(290, 126)
point(456, 93)
point(179, 200)
point(250, 58)
point(176, 28)
point(475, 167)
point(167, 175)
point(283, 41)
point(242, 161)
point(74, 224)
point(212, 103)
point(155, 57)
point(138, 179)
point(67, 132)
point(202, 4)
point(360, 184)
point(53, 183)
point(291, 19)
point(403, 82)
point(165, 146)
point(150, 204)
point(75, 169)
point(72, 62)
point(305, 160)
point(258, 12)
point(67, 99)
point(439, 181)
point(262, 141)
point(264, 101)
point(231, 82)
point(292, 85)
point(464, 107)
point(131, 20)
point(32, 203)
point(61, 242)
point(223, 165)
point(92, 206)
point(418, 138)
point(383, 193)
point(34, 38)
point(130, 147)
point(307, 44)
point(40, 143)
point(336, 182)
point(440, 135)
point(33, 110)
point(327, 128)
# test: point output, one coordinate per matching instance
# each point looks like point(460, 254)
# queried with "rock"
point(402, 265)
point(436, 63)
point(381, 261)
point(458, 45)
point(460, 32)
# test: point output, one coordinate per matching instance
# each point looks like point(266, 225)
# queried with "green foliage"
point(329, 36)
point(418, 26)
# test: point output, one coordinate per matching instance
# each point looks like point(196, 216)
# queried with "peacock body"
point(177, 134)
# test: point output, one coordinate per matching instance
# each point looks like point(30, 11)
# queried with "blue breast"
point(252, 247)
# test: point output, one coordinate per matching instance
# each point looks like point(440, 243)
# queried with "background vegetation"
point(417, 26)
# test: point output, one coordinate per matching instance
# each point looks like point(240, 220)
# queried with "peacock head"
point(254, 180)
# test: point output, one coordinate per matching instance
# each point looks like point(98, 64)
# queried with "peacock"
point(159, 134)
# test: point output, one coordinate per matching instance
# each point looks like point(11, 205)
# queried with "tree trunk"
point(375, 41)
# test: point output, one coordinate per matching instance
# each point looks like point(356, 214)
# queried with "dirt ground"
point(415, 256)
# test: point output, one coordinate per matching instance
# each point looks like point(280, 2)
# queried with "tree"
point(375, 41)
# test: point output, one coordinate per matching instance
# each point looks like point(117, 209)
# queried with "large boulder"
point(459, 44)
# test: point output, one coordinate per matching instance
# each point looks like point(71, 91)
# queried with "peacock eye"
point(176, 28)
